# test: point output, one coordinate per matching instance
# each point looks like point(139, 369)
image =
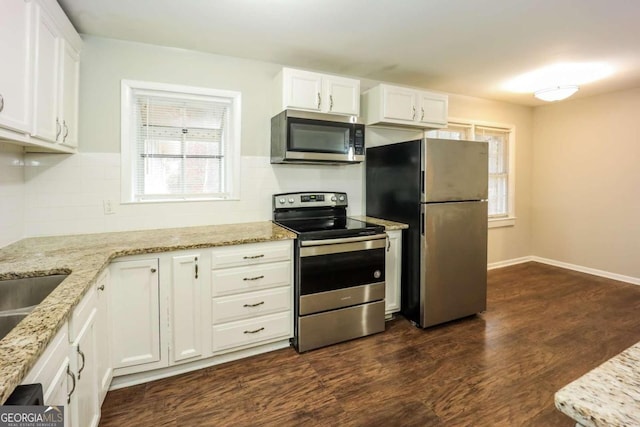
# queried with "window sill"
point(502, 222)
point(152, 201)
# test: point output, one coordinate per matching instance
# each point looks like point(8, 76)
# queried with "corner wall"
point(586, 175)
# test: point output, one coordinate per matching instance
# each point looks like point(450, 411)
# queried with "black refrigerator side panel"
point(393, 190)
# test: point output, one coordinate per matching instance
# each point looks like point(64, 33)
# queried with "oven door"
point(336, 273)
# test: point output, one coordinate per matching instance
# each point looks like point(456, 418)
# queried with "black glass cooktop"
point(330, 228)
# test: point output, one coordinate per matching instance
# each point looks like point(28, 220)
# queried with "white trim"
point(502, 222)
point(127, 150)
point(566, 265)
point(588, 270)
point(170, 371)
point(509, 262)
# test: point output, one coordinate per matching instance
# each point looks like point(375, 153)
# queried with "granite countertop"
point(84, 257)
point(608, 395)
point(388, 225)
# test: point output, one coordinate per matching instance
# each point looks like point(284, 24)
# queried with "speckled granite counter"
point(388, 225)
point(608, 395)
point(84, 257)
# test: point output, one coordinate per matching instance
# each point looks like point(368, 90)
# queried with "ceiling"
point(469, 47)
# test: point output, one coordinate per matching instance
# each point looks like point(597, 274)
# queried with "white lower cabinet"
point(75, 370)
point(104, 367)
point(393, 274)
point(185, 308)
point(135, 315)
point(52, 371)
point(254, 286)
point(188, 306)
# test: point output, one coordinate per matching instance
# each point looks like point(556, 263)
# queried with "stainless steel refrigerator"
point(438, 187)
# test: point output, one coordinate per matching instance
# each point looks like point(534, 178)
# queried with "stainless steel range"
point(339, 269)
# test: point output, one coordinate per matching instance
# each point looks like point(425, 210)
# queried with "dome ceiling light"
point(558, 81)
point(557, 93)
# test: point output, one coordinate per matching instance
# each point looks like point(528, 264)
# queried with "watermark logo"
point(31, 416)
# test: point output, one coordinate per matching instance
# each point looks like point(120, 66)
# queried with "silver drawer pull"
point(254, 305)
point(254, 332)
point(253, 278)
point(253, 257)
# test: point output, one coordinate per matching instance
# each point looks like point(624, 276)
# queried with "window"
point(501, 163)
point(179, 143)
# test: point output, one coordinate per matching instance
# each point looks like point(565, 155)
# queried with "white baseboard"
point(509, 262)
point(588, 270)
point(574, 267)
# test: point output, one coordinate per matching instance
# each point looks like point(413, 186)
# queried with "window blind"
point(498, 140)
point(180, 146)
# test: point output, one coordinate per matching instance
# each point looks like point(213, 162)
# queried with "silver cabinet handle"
point(254, 305)
point(153, 270)
point(101, 288)
point(83, 362)
point(255, 331)
point(413, 116)
point(253, 278)
point(73, 388)
point(330, 102)
point(388, 244)
point(66, 131)
point(422, 117)
point(196, 261)
point(1, 103)
point(319, 100)
point(253, 257)
point(58, 128)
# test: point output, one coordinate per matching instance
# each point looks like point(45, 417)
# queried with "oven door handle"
point(342, 240)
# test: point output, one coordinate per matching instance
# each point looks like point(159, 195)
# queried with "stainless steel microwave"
point(307, 137)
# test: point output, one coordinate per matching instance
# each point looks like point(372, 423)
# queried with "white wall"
point(12, 193)
point(586, 175)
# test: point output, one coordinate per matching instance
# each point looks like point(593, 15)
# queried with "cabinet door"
point(433, 108)
point(15, 72)
point(47, 124)
point(186, 307)
point(302, 89)
point(135, 313)
point(60, 389)
point(342, 95)
point(68, 103)
point(103, 353)
point(393, 271)
point(84, 407)
point(399, 103)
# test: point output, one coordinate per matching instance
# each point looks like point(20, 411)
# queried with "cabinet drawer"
point(234, 256)
point(246, 332)
point(243, 279)
point(252, 304)
point(54, 356)
point(81, 313)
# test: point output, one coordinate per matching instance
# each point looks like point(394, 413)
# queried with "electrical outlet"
point(109, 208)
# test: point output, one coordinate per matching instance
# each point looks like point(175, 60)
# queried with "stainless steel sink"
point(18, 297)
point(28, 292)
point(8, 322)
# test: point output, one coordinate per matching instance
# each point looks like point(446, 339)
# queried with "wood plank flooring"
point(544, 327)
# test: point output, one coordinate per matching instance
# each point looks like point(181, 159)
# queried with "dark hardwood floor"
point(543, 328)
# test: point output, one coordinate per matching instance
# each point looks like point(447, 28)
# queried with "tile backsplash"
point(12, 193)
point(64, 194)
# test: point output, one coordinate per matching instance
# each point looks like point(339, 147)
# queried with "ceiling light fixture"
point(557, 93)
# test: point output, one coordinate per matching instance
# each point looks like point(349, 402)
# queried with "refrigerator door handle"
point(422, 182)
point(422, 222)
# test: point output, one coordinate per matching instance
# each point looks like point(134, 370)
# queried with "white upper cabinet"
point(15, 74)
point(39, 86)
point(395, 105)
point(309, 91)
point(56, 79)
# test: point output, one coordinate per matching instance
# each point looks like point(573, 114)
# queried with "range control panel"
point(307, 200)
